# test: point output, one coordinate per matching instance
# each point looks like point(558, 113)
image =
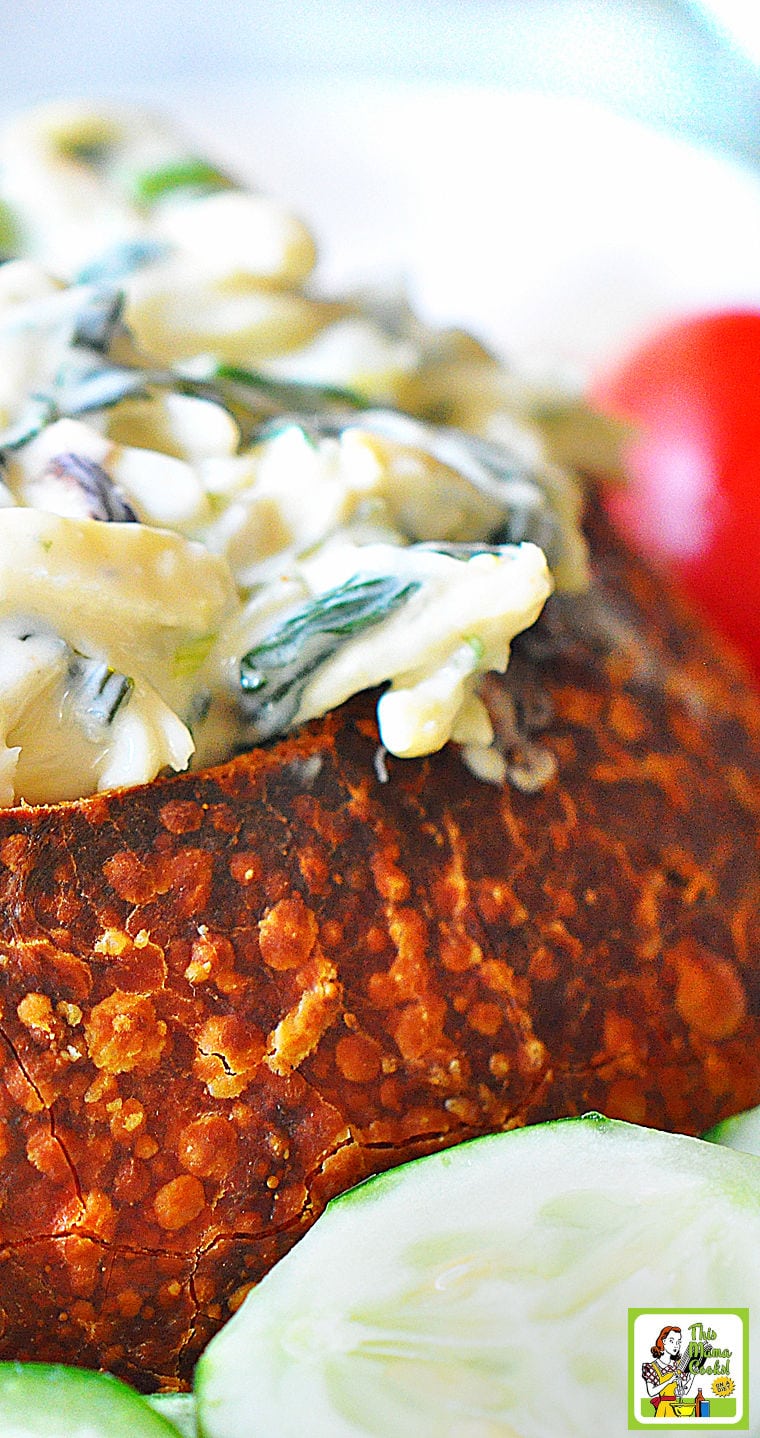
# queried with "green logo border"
point(742, 1424)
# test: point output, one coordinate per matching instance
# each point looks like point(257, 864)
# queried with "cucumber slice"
point(484, 1290)
point(179, 1408)
point(741, 1132)
point(41, 1400)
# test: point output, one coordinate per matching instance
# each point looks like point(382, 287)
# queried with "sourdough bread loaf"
point(229, 995)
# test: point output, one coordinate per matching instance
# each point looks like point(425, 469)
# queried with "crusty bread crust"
point(227, 996)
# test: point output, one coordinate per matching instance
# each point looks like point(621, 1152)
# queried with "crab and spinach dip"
point(226, 503)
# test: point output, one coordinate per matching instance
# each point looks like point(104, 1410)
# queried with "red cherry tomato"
point(693, 500)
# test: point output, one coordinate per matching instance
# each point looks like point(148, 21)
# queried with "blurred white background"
point(558, 174)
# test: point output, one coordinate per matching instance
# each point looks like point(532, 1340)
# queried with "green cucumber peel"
point(741, 1132)
point(40, 1400)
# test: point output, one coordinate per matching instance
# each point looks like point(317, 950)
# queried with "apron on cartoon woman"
point(663, 1407)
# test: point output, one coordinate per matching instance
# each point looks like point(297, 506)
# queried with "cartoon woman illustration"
point(666, 1378)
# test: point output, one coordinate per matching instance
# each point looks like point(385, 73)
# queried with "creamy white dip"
point(204, 543)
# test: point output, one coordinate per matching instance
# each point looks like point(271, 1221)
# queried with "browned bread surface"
point(228, 996)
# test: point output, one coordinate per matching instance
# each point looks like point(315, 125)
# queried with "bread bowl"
point(229, 994)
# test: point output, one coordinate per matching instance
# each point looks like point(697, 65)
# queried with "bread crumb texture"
point(226, 997)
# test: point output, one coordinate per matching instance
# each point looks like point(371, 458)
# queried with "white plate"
point(556, 229)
